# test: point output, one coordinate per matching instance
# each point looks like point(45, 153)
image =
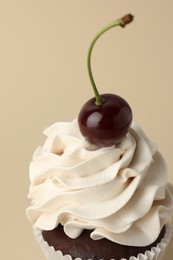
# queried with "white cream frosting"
point(120, 193)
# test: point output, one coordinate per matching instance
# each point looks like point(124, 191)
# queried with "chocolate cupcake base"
point(86, 248)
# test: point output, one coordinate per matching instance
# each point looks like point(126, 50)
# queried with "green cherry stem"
point(120, 22)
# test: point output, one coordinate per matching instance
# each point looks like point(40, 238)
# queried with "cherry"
point(105, 119)
point(106, 124)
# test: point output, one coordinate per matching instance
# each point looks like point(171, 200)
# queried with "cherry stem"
point(121, 22)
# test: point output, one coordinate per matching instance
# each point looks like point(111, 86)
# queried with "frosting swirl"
point(118, 192)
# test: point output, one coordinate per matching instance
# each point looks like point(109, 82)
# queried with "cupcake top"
point(118, 192)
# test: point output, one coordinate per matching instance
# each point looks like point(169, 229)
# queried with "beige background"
point(43, 79)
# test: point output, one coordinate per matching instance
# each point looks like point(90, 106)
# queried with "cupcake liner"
point(156, 253)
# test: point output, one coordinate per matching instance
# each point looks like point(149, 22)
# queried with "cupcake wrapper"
point(156, 253)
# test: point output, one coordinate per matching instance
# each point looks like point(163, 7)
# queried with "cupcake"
point(99, 185)
point(99, 203)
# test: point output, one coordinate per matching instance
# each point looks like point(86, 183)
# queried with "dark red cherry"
point(105, 124)
point(105, 119)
